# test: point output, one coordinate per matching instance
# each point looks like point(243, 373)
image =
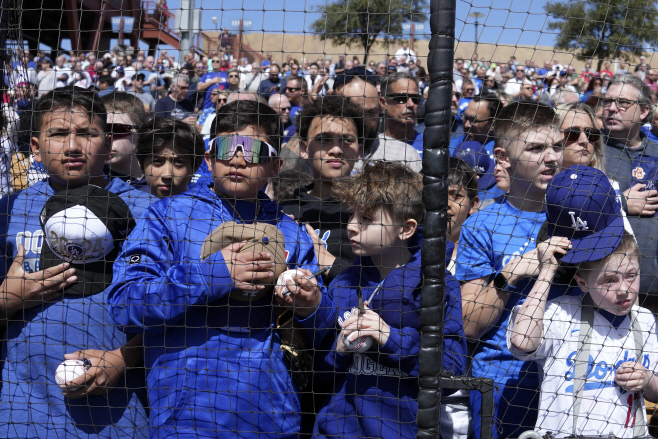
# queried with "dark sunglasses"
point(403, 98)
point(233, 76)
point(291, 89)
point(573, 134)
point(120, 129)
point(457, 94)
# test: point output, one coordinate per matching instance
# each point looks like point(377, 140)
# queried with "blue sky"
point(507, 22)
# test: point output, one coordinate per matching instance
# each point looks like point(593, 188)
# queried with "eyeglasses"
point(403, 98)
point(225, 100)
point(285, 109)
point(253, 150)
point(292, 89)
point(215, 62)
point(121, 130)
point(472, 119)
point(572, 135)
point(457, 95)
point(468, 90)
point(622, 104)
point(233, 76)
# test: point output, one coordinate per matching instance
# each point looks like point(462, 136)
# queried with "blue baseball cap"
point(475, 154)
point(582, 205)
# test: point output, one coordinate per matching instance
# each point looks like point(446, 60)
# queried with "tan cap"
point(260, 237)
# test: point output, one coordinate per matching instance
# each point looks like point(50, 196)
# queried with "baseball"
point(287, 276)
point(70, 370)
point(361, 344)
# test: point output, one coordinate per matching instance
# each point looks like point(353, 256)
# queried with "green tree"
point(362, 22)
point(604, 29)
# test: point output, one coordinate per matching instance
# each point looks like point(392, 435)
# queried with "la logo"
point(577, 223)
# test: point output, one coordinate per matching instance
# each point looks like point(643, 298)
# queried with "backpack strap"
point(582, 357)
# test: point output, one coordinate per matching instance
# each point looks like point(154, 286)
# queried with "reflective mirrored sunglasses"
point(253, 150)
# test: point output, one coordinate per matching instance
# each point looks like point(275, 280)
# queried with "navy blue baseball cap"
point(582, 205)
point(475, 154)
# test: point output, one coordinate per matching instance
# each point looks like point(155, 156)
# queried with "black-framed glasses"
point(213, 61)
point(472, 119)
point(572, 135)
point(233, 76)
point(622, 104)
point(403, 98)
point(457, 94)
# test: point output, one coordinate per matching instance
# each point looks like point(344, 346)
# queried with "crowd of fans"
point(151, 206)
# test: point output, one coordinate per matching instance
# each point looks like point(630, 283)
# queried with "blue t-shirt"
point(491, 238)
point(148, 74)
point(31, 402)
point(223, 83)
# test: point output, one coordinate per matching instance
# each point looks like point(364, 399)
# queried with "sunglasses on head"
point(253, 150)
point(403, 98)
point(120, 129)
point(573, 134)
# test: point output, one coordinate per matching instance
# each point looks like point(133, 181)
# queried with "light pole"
point(214, 20)
point(477, 16)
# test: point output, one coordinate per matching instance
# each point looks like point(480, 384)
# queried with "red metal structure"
point(87, 23)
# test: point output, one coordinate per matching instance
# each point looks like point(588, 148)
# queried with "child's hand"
point(305, 294)
point(632, 376)
point(245, 268)
point(369, 324)
point(325, 259)
point(547, 250)
point(107, 367)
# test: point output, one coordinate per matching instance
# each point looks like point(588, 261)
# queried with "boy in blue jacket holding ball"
point(214, 360)
point(373, 360)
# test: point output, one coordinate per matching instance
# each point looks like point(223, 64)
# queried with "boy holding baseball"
point(598, 351)
point(374, 358)
point(56, 313)
point(215, 366)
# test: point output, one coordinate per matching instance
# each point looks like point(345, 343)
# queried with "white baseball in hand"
point(361, 344)
point(285, 277)
point(68, 371)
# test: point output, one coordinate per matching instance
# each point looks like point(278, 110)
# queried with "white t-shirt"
point(605, 407)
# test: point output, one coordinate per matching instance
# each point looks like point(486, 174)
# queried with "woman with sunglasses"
point(583, 140)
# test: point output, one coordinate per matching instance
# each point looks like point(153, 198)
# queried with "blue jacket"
point(214, 364)
point(375, 392)
point(31, 402)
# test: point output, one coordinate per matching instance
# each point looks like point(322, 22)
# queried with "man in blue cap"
point(586, 227)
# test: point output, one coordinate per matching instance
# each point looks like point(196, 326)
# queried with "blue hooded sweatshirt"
point(31, 402)
point(214, 364)
point(375, 393)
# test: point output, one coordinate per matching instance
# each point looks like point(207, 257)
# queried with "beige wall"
point(312, 47)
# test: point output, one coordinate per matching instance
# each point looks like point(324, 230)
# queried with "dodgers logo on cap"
point(582, 205)
point(78, 236)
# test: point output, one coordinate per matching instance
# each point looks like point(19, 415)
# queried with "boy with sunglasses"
point(125, 114)
point(214, 364)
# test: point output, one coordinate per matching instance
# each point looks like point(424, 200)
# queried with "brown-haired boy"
point(385, 199)
point(169, 152)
